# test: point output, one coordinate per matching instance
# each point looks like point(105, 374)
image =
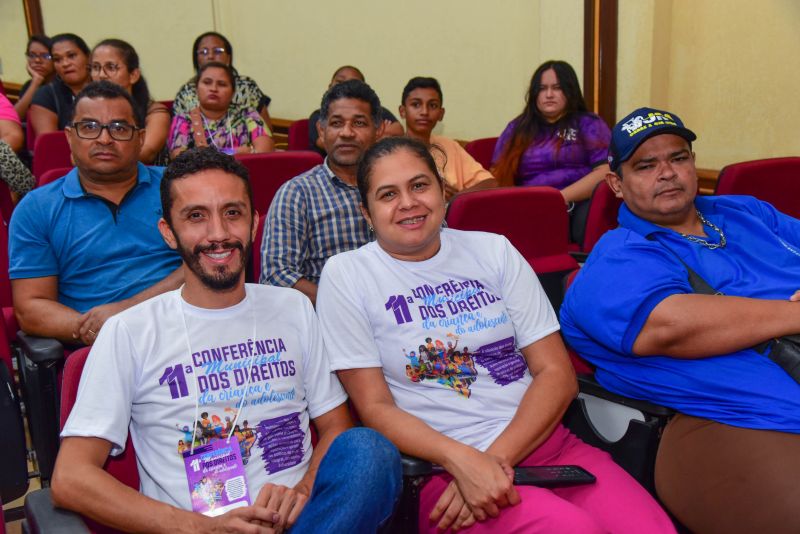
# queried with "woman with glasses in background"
point(51, 108)
point(216, 121)
point(39, 65)
point(117, 61)
point(212, 46)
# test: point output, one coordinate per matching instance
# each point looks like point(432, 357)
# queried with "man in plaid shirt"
point(316, 215)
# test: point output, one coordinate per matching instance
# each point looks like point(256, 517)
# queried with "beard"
point(220, 278)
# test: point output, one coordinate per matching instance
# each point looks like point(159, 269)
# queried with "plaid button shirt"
point(312, 217)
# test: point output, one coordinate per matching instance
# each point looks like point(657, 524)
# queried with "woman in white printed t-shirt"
point(448, 346)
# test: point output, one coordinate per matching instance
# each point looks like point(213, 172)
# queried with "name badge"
point(217, 480)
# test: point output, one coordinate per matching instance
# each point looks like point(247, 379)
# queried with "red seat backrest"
point(534, 219)
point(6, 204)
point(482, 150)
point(267, 173)
point(602, 216)
point(168, 104)
point(50, 152)
point(51, 175)
point(122, 467)
point(775, 180)
point(298, 135)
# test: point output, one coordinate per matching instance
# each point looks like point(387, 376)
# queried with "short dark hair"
point(41, 39)
point(386, 147)
point(421, 82)
point(343, 67)
point(225, 41)
point(71, 37)
point(352, 89)
point(197, 160)
point(217, 65)
point(110, 91)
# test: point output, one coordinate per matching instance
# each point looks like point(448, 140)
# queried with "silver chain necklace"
point(699, 241)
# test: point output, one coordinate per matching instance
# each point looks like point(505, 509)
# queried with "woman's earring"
point(371, 229)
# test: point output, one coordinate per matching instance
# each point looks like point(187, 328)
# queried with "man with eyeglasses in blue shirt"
point(87, 246)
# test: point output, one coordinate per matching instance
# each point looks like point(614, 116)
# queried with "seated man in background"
point(730, 460)
point(390, 124)
point(422, 109)
point(273, 371)
point(316, 215)
point(87, 245)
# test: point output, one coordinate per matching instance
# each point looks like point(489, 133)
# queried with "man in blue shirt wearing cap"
point(730, 460)
point(87, 246)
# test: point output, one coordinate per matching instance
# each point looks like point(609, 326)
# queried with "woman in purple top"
point(555, 141)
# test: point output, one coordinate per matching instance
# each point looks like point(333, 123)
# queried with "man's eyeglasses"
point(109, 68)
point(33, 56)
point(217, 51)
point(118, 130)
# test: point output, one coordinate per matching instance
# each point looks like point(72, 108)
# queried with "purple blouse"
point(583, 148)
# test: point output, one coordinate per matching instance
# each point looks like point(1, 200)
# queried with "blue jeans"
point(357, 485)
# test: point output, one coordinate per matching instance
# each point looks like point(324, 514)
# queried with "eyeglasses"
point(109, 68)
point(217, 51)
point(118, 130)
point(33, 56)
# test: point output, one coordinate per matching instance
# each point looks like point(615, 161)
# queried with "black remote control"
point(552, 476)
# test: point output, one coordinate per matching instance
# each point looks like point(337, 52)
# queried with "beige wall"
point(483, 53)
point(728, 68)
point(13, 36)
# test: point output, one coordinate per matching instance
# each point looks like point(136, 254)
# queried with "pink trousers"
point(616, 503)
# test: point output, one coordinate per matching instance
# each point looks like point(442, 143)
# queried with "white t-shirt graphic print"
point(141, 374)
point(446, 331)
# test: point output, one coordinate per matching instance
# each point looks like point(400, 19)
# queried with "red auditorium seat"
point(51, 151)
point(482, 150)
point(52, 175)
point(39, 511)
point(298, 135)
point(775, 180)
point(267, 173)
point(534, 219)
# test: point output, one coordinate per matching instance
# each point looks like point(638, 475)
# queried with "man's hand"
point(90, 323)
point(451, 511)
point(284, 503)
point(247, 520)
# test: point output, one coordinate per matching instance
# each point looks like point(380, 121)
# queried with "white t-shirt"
point(446, 331)
point(142, 373)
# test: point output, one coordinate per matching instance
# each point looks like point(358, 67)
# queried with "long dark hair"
point(531, 122)
point(139, 91)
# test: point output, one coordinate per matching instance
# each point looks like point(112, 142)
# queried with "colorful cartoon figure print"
point(442, 364)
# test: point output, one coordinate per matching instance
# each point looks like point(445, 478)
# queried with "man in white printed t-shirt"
point(217, 382)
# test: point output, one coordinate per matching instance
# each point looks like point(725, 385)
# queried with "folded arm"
point(583, 188)
point(699, 326)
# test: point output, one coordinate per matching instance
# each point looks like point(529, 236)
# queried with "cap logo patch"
point(638, 123)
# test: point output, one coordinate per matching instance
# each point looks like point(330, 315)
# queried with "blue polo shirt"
point(627, 275)
point(100, 253)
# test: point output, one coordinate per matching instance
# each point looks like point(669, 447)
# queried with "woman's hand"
point(451, 511)
point(36, 78)
point(485, 482)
